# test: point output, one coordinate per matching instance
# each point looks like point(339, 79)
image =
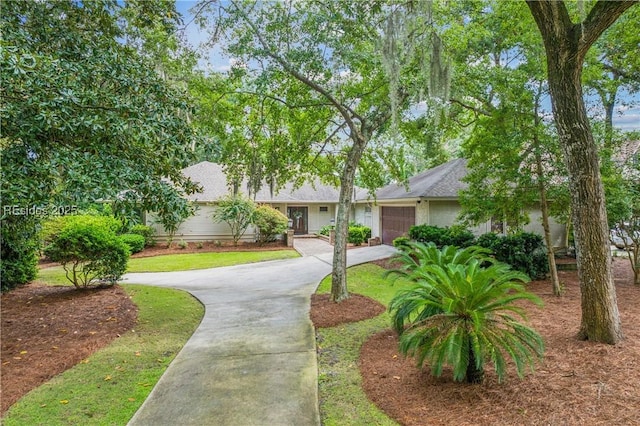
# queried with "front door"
point(300, 217)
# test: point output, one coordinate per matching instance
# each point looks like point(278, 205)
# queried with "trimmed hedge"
point(89, 252)
point(524, 251)
point(135, 242)
point(147, 232)
point(455, 235)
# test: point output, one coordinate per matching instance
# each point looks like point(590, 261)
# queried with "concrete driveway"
point(252, 360)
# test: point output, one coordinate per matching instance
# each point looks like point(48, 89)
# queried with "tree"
point(566, 45)
point(84, 116)
point(324, 70)
point(237, 211)
point(461, 314)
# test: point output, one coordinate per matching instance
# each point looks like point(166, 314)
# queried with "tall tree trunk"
point(339, 274)
point(566, 45)
point(544, 208)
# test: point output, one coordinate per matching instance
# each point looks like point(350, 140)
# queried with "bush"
point(456, 235)
point(89, 252)
point(401, 243)
point(325, 230)
point(461, 314)
point(270, 223)
point(237, 211)
point(135, 242)
point(524, 251)
point(356, 235)
point(52, 227)
point(20, 245)
point(365, 229)
point(147, 232)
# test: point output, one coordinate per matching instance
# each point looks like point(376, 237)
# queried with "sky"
point(626, 118)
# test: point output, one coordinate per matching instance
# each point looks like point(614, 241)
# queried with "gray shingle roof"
point(443, 181)
point(215, 185)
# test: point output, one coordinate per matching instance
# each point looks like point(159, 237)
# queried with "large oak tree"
point(566, 44)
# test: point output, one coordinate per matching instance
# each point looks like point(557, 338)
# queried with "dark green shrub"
point(147, 232)
point(524, 251)
point(20, 244)
point(135, 242)
point(88, 253)
point(456, 235)
point(356, 235)
point(325, 230)
point(427, 234)
point(401, 243)
point(270, 223)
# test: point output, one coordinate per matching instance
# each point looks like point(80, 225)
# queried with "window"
point(367, 209)
point(324, 209)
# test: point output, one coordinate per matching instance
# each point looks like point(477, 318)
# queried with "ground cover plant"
point(577, 382)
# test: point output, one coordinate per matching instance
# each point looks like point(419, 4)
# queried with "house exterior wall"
point(363, 214)
point(558, 230)
point(199, 227)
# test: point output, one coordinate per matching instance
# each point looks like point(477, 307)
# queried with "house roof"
point(215, 185)
point(443, 181)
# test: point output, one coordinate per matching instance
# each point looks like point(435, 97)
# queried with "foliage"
point(54, 226)
point(237, 211)
point(455, 235)
point(20, 243)
point(135, 242)
point(355, 235)
point(325, 230)
point(84, 116)
point(166, 320)
point(147, 232)
point(462, 315)
point(89, 252)
point(401, 242)
point(270, 223)
point(524, 251)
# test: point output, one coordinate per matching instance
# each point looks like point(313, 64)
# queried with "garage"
point(396, 222)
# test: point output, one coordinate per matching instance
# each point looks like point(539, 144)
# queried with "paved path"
point(252, 359)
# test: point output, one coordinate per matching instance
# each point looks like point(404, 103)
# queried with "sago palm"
point(464, 316)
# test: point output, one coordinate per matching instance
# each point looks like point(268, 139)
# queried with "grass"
point(179, 262)
point(342, 400)
point(109, 386)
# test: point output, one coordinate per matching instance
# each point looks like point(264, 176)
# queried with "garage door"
point(396, 222)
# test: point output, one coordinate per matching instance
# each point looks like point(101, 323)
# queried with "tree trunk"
point(544, 208)
point(474, 374)
point(339, 274)
point(566, 45)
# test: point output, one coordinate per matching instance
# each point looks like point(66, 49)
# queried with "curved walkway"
point(252, 359)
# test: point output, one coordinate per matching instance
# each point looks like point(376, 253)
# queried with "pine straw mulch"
point(49, 329)
point(577, 383)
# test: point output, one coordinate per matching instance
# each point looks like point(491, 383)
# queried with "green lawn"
point(180, 262)
point(342, 400)
point(109, 387)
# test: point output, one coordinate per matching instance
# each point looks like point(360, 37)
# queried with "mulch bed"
point(47, 330)
point(577, 383)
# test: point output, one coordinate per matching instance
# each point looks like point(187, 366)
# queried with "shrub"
point(463, 315)
point(457, 235)
point(52, 227)
point(20, 244)
point(135, 242)
point(270, 223)
point(325, 230)
point(401, 242)
point(237, 211)
point(89, 252)
point(147, 232)
point(356, 235)
point(524, 251)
